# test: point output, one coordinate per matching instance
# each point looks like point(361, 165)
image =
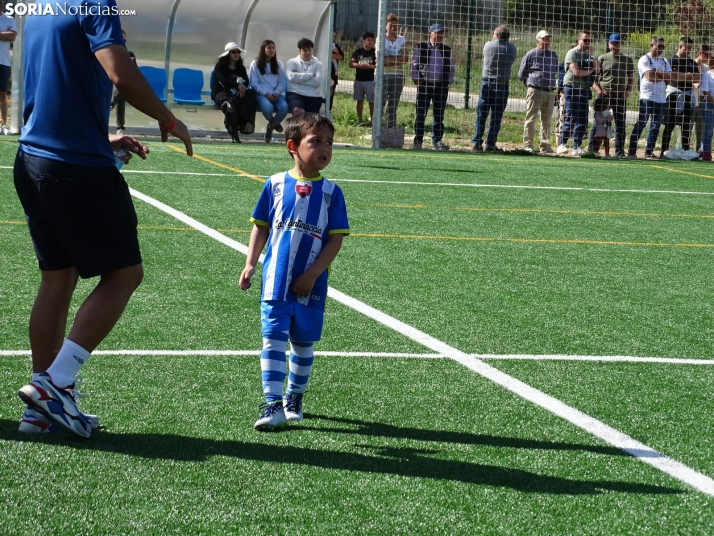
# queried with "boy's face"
point(306, 53)
point(314, 151)
point(368, 43)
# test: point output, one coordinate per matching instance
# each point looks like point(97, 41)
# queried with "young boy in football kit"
point(303, 218)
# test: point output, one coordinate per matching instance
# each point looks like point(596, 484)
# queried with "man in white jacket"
point(305, 76)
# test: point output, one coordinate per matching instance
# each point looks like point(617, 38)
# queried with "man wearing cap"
point(614, 83)
point(539, 72)
point(432, 70)
point(498, 58)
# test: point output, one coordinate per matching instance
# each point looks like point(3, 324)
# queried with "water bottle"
point(121, 157)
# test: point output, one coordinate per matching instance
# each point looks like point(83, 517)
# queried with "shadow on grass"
point(407, 462)
point(376, 429)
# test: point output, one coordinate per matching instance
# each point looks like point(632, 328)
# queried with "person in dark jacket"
point(231, 94)
point(432, 70)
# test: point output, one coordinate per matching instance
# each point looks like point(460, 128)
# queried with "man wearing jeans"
point(432, 70)
point(582, 68)
point(679, 109)
point(654, 72)
point(615, 84)
point(498, 58)
point(539, 72)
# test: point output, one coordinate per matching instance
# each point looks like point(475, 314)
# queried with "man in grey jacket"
point(498, 58)
point(539, 72)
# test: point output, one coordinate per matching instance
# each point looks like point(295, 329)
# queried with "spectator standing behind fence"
point(8, 33)
point(305, 75)
point(364, 61)
point(706, 89)
point(539, 72)
point(337, 55)
point(582, 68)
point(118, 101)
point(614, 83)
point(432, 70)
point(679, 109)
point(654, 72)
point(395, 56)
point(560, 98)
point(231, 94)
point(702, 61)
point(267, 78)
point(498, 58)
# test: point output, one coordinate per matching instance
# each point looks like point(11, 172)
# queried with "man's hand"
point(130, 144)
point(179, 131)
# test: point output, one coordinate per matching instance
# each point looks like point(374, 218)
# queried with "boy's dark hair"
point(296, 128)
point(305, 43)
point(703, 49)
point(686, 41)
point(367, 35)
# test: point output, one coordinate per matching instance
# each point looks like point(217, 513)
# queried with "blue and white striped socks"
point(302, 355)
point(272, 366)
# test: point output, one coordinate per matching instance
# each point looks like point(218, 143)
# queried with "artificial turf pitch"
point(490, 254)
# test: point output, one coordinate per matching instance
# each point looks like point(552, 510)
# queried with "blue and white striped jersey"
point(301, 213)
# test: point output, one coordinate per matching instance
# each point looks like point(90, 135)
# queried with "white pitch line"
point(182, 173)
point(591, 425)
point(327, 353)
point(453, 184)
point(526, 187)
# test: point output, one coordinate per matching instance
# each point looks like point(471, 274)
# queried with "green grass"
point(390, 445)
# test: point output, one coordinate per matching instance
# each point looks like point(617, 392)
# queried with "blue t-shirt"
point(67, 92)
point(301, 213)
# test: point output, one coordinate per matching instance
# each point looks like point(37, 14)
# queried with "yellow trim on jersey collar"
point(304, 179)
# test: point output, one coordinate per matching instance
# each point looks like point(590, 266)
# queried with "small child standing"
point(364, 60)
point(603, 124)
point(303, 218)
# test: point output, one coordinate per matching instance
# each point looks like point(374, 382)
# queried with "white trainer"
point(56, 403)
point(577, 151)
point(293, 407)
point(34, 422)
point(272, 417)
point(562, 149)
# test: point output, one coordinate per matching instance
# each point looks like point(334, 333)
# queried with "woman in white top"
point(305, 76)
point(267, 78)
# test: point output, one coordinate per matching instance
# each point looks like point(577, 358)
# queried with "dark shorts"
point(77, 216)
point(309, 104)
point(5, 77)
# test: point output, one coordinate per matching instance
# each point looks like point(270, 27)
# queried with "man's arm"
point(129, 81)
point(524, 69)
point(580, 72)
point(8, 36)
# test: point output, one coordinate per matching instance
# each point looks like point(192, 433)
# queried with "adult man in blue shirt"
point(77, 205)
point(432, 70)
point(498, 58)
